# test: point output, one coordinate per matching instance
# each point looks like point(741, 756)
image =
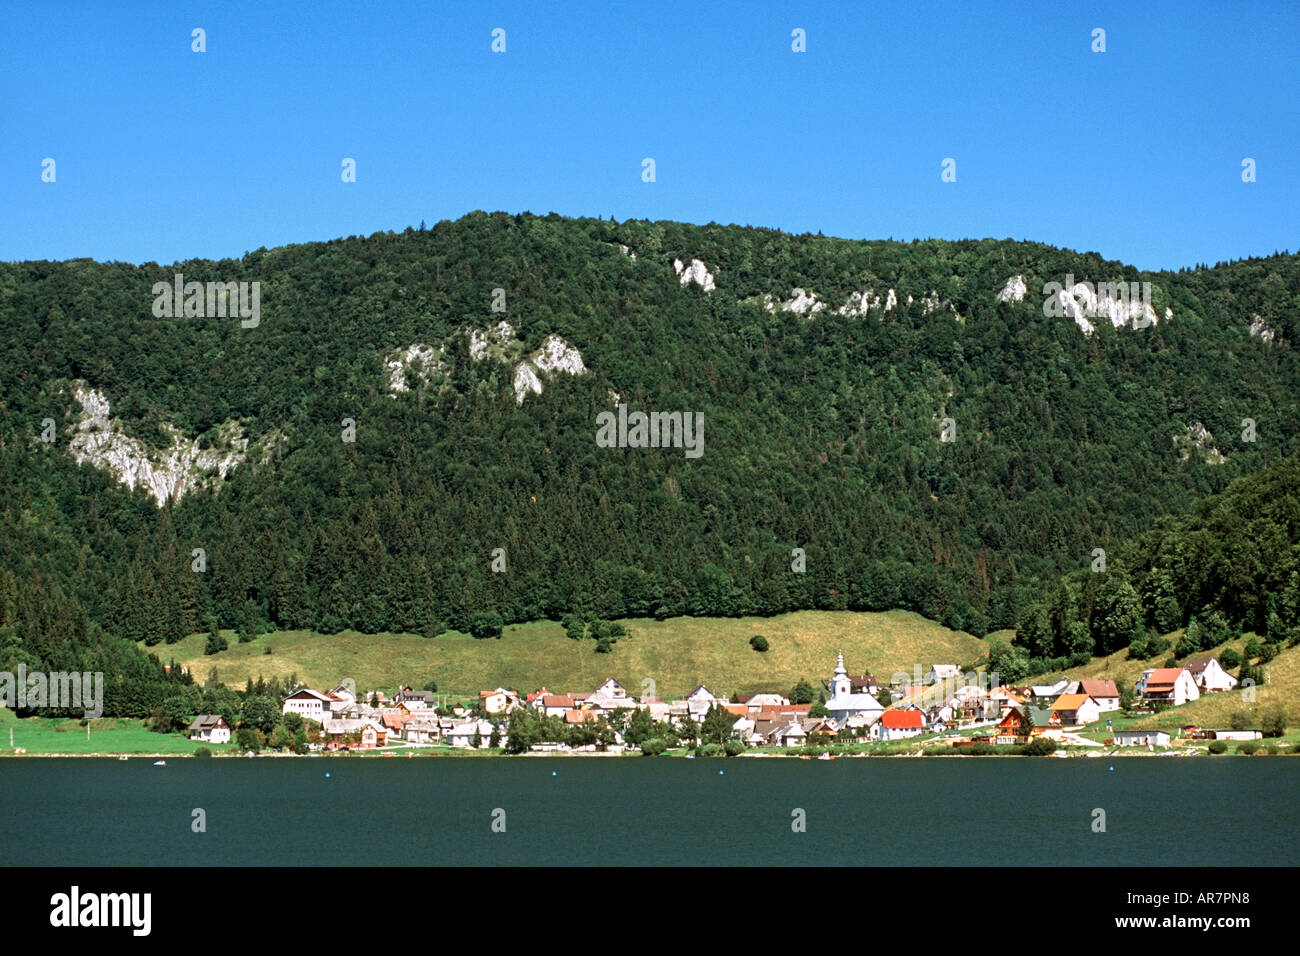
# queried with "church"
point(844, 706)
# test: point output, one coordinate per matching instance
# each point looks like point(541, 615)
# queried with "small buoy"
point(1112, 768)
point(552, 773)
point(721, 772)
point(327, 774)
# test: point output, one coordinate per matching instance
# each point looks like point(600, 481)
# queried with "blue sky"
point(165, 154)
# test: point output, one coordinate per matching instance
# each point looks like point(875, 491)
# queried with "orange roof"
point(578, 716)
point(1070, 701)
point(902, 719)
point(485, 694)
point(1163, 676)
point(557, 700)
point(1098, 688)
point(740, 710)
point(777, 710)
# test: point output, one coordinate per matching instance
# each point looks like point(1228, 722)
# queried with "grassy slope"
point(1210, 710)
point(677, 654)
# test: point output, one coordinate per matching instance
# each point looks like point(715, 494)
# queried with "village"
point(942, 704)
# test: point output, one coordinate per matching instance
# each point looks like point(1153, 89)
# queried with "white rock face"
point(859, 303)
point(167, 474)
point(490, 343)
point(398, 364)
point(803, 303)
point(1082, 303)
point(1200, 442)
point(477, 345)
point(695, 272)
point(526, 381)
point(1262, 330)
point(1014, 290)
point(555, 357)
point(626, 251)
point(891, 301)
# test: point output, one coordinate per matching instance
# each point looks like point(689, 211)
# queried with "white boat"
point(123, 757)
point(825, 757)
point(160, 763)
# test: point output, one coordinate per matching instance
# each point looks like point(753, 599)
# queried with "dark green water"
point(931, 811)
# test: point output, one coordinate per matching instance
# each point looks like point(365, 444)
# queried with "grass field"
point(677, 654)
point(115, 735)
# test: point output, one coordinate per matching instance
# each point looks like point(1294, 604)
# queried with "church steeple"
point(840, 680)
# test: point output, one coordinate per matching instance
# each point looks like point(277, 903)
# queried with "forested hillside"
point(822, 429)
point(1230, 564)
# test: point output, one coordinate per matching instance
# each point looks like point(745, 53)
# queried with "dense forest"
point(1229, 564)
point(822, 433)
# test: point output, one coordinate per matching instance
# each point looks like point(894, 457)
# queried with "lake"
point(574, 811)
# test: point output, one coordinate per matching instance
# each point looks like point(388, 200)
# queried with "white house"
point(1141, 738)
point(210, 727)
point(496, 701)
point(942, 672)
point(1237, 734)
point(862, 725)
point(470, 734)
point(756, 702)
point(415, 699)
point(699, 701)
point(309, 704)
point(1168, 685)
point(898, 723)
point(610, 696)
point(790, 734)
point(1043, 694)
point(1003, 701)
point(423, 730)
point(554, 705)
point(1076, 710)
point(1210, 675)
point(1104, 692)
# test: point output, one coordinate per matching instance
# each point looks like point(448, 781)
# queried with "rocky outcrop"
point(1014, 290)
point(1123, 303)
point(167, 474)
point(555, 357)
point(695, 272)
point(803, 303)
point(1198, 442)
point(428, 360)
point(1259, 329)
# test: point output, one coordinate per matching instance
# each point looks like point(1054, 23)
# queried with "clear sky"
point(162, 153)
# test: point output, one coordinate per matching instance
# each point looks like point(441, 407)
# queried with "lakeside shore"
point(404, 753)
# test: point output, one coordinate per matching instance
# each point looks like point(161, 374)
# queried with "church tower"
point(840, 680)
